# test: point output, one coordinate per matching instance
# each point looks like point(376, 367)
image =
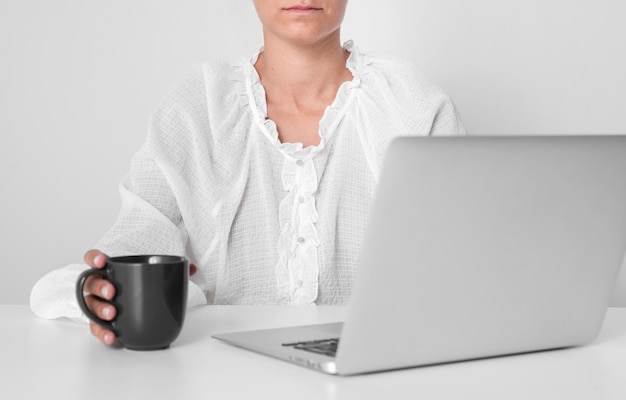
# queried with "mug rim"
point(144, 260)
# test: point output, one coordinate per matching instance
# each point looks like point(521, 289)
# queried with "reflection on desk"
point(47, 359)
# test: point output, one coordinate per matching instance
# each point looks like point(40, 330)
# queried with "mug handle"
point(80, 283)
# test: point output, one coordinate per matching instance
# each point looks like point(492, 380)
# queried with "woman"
point(263, 172)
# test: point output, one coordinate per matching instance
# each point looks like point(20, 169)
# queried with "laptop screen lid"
point(485, 246)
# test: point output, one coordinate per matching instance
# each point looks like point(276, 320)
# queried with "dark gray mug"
point(150, 297)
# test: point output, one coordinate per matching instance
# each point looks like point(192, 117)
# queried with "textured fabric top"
point(269, 222)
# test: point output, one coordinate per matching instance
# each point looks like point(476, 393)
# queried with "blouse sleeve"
point(149, 221)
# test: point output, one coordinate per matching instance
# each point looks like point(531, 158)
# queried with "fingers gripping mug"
point(150, 297)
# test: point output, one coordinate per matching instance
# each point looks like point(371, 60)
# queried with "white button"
point(301, 199)
point(300, 163)
point(299, 283)
point(301, 240)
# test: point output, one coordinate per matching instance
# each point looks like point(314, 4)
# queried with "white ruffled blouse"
point(269, 222)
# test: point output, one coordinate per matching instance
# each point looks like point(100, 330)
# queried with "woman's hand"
point(98, 290)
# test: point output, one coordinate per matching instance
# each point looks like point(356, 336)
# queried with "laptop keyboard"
point(327, 347)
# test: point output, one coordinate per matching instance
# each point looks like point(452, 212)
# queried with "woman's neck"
point(291, 70)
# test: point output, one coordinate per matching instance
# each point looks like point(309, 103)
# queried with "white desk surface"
point(41, 359)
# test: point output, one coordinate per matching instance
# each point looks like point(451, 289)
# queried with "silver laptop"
point(477, 247)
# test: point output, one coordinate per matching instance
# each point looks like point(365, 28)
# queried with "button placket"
point(297, 270)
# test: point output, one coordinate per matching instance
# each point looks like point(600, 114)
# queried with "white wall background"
point(79, 79)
